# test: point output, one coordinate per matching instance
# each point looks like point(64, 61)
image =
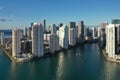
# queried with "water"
point(7, 33)
point(90, 65)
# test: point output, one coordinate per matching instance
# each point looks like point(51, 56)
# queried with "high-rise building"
point(76, 32)
point(52, 43)
point(80, 32)
point(111, 40)
point(103, 25)
point(94, 32)
point(53, 29)
point(72, 37)
point(102, 33)
point(30, 28)
point(116, 21)
point(2, 38)
point(29, 33)
point(60, 25)
point(118, 33)
point(43, 22)
point(37, 40)
point(57, 48)
point(72, 33)
point(31, 25)
point(99, 32)
point(25, 31)
point(86, 31)
point(72, 25)
point(63, 37)
point(16, 42)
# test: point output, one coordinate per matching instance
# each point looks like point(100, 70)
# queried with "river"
point(66, 65)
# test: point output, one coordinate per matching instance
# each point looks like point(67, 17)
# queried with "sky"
point(20, 13)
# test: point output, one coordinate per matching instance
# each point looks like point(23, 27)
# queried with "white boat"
point(78, 54)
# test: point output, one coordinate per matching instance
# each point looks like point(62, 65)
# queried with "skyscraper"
point(72, 25)
point(86, 31)
point(118, 33)
point(37, 40)
point(43, 23)
point(52, 43)
point(111, 40)
point(57, 48)
point(2, 38)
point(16, 42)
point(53, 29)
point(117, 23)
point(102, 33)
point(72, 33)
point(80, 32)
point(31, 25)
point(25, 31)
point(63, 37)
point(72, 37)
point(60, 25)
point(99, 32)
point(94, 32)
point(29, 33)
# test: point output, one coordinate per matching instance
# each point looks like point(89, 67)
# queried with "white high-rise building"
point(2, 38)
point(99, 32)
point(111, 40)
point(63, 37)
point(72, 37)
point(37, 40)
point(16, 42)
point(52, 43)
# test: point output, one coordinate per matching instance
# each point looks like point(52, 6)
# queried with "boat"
point(78, 54)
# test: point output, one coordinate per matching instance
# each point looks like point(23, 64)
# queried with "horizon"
point(22, 13)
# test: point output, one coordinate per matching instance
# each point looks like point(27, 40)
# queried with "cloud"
point(3, 19)
point(1, 7)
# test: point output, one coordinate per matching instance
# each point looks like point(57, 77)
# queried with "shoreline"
point(7, 53)
point(47, 54)
point(106, 56)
